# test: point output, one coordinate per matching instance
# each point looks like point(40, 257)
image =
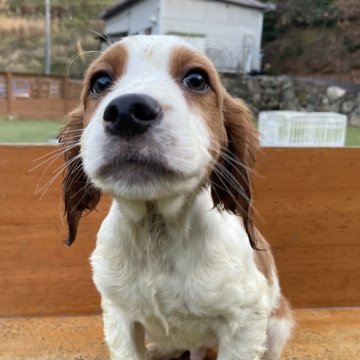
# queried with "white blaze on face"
point(180, 141)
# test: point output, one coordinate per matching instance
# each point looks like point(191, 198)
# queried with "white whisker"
point(53, 157)
point(102, 36)
point(51, 181)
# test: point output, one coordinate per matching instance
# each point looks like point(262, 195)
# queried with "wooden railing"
point(309, 201)
point(37, 96)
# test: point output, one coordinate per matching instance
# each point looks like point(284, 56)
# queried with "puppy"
point(177, 257)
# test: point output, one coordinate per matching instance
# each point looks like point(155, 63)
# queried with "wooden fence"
point(37, 96)
point(309, 200)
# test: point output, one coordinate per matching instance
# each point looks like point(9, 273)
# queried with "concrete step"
point(321, 334)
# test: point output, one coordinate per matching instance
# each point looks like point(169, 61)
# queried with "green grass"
point(28, 130)
point(42, 130)
point(353, 136)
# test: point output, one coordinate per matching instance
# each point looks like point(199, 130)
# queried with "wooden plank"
point(34, 75)
point(9, 93)
point(3, 106)
point(309, 200)
point(66, 94)
point(42, 101)
point(41, 108)
point(39, 275)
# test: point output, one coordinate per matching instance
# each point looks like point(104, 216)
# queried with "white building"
point(229, 32)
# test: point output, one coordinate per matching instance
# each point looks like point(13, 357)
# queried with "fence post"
point(66, 94)
point(9, 89)
point(38, 87)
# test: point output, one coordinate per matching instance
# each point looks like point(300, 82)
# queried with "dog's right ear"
point(79, 194)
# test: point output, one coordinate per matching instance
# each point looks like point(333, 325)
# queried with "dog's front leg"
point(242, 342)
point(125, 338)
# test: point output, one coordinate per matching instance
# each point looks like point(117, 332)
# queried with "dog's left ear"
point(231, 178)
point(78, 193)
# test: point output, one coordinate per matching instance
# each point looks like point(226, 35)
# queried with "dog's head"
point(155, 121)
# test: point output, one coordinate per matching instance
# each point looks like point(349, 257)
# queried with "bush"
point(302, 13)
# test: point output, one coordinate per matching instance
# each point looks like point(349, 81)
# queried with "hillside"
point(22, 34)
point(314, 38)
point(311, 38)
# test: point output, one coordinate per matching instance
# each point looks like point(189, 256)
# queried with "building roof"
point(116, 8)
point(255, 4)
point(123, 4)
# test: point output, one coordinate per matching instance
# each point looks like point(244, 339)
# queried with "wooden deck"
point(320, 334)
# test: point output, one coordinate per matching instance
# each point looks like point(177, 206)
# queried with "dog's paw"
point(155, 352)
point(198, 354)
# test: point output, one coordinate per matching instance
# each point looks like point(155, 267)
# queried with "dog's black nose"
point(131, 114)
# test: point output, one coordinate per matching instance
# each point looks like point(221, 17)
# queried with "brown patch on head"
point(234, 140)
point(209, 103)
point(231, 178)
point(112, 62)
point(78, 192)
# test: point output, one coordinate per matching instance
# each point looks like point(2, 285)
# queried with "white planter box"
point(294, 128)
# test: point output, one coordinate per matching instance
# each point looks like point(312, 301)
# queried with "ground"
point(321, 334)
point(13, 130)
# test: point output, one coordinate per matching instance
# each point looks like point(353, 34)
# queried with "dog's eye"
point(100, 82)
point(196, 80)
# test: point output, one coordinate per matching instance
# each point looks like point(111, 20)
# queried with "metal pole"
point(47, 38)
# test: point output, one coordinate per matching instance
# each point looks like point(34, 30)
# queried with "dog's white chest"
point(168, 298)
point(180, 289)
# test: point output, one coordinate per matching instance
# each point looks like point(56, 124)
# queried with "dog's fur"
point(176, 256)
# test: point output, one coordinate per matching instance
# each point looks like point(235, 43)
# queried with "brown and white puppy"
point(175, 257)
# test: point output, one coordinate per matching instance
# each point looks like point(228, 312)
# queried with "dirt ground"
point(321, 334)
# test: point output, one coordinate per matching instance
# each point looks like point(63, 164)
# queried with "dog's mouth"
point(135, 169)
point(141, 168)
